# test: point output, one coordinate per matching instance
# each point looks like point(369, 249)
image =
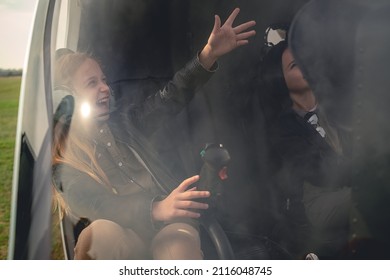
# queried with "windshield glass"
point(148, 95)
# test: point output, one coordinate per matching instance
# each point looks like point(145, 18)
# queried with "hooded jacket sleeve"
point(172, 98)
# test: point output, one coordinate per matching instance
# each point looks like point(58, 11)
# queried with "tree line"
point(10, 72)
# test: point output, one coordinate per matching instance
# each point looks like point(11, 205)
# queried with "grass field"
point(9, 100)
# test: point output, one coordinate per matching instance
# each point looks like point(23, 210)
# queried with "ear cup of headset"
point(59, 93)
point(64, 111)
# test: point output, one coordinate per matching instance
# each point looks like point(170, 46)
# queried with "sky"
point(16, 18)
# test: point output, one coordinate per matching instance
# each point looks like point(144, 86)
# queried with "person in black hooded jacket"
point(310, 155)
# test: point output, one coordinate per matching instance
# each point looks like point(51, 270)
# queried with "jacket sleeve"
point(170, 100)
point(86, 198)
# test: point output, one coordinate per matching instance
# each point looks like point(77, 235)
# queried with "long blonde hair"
point(72, 142)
